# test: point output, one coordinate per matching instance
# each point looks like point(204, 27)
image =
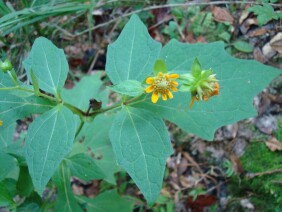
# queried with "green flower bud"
point(202, 84)
point(6, 65)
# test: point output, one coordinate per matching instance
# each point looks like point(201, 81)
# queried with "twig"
point(167, 6)
point(252, 175)
point(189, 158)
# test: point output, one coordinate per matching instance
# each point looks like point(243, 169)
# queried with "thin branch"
point(252, 175)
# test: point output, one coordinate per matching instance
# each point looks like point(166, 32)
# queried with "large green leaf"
point(133, 54)
point(89, 87)
point(49, 65)
point(49, 139)
point(141, 144)
point(84, 167)
point(94, 136)
point(240, 80)
point(7, 164)
point(65, 201)
point(109, 201)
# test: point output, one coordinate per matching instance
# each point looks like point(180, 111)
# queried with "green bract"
point(70, 136)
point(6, 65)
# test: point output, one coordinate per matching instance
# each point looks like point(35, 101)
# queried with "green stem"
point(79, 128)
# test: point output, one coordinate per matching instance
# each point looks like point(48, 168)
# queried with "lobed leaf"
point(240, 80)
point(141, 144)
point(133, 54)
point(49, 140)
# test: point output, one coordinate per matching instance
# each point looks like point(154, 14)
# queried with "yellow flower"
point(1, 123)
point(211, 90)
point(162, 84)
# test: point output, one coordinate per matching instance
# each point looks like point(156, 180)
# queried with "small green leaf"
point(129, 88)
point(264, 13)
point(49, 139)
point(84, 167)
point(196, 67)
point(7, 164)
point(141, 144)
point(24, 183)
point(49, 65)
point(133, 54)
point(243, 46)
point(6, 199)
point(160, 66)
point(109, 201)
point(65, 201)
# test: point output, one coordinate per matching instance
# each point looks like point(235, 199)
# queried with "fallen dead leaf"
point(247, 24)
point(244, 16)
point(258, 32)
point(222, 15)
point(258, 55)
point(273, 144)
point(276, 42)
point(268, 51)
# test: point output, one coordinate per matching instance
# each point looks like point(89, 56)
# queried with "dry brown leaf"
point(273, 144)
point(276, 42)
point(222, 15)
point(259, 56)
point(247, 24)
point(258, 32)
point(268, 51)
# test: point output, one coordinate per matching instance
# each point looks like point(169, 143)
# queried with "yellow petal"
point(174, 83)
point(149, 80)
point(164, 96)
point(149, 89)
point(1, 123)
point(169, 94)
point(174, 76)
point(174, 89)
point(155, 97)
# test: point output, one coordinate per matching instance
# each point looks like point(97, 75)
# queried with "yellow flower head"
point(1, 123)
point(162, 84)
